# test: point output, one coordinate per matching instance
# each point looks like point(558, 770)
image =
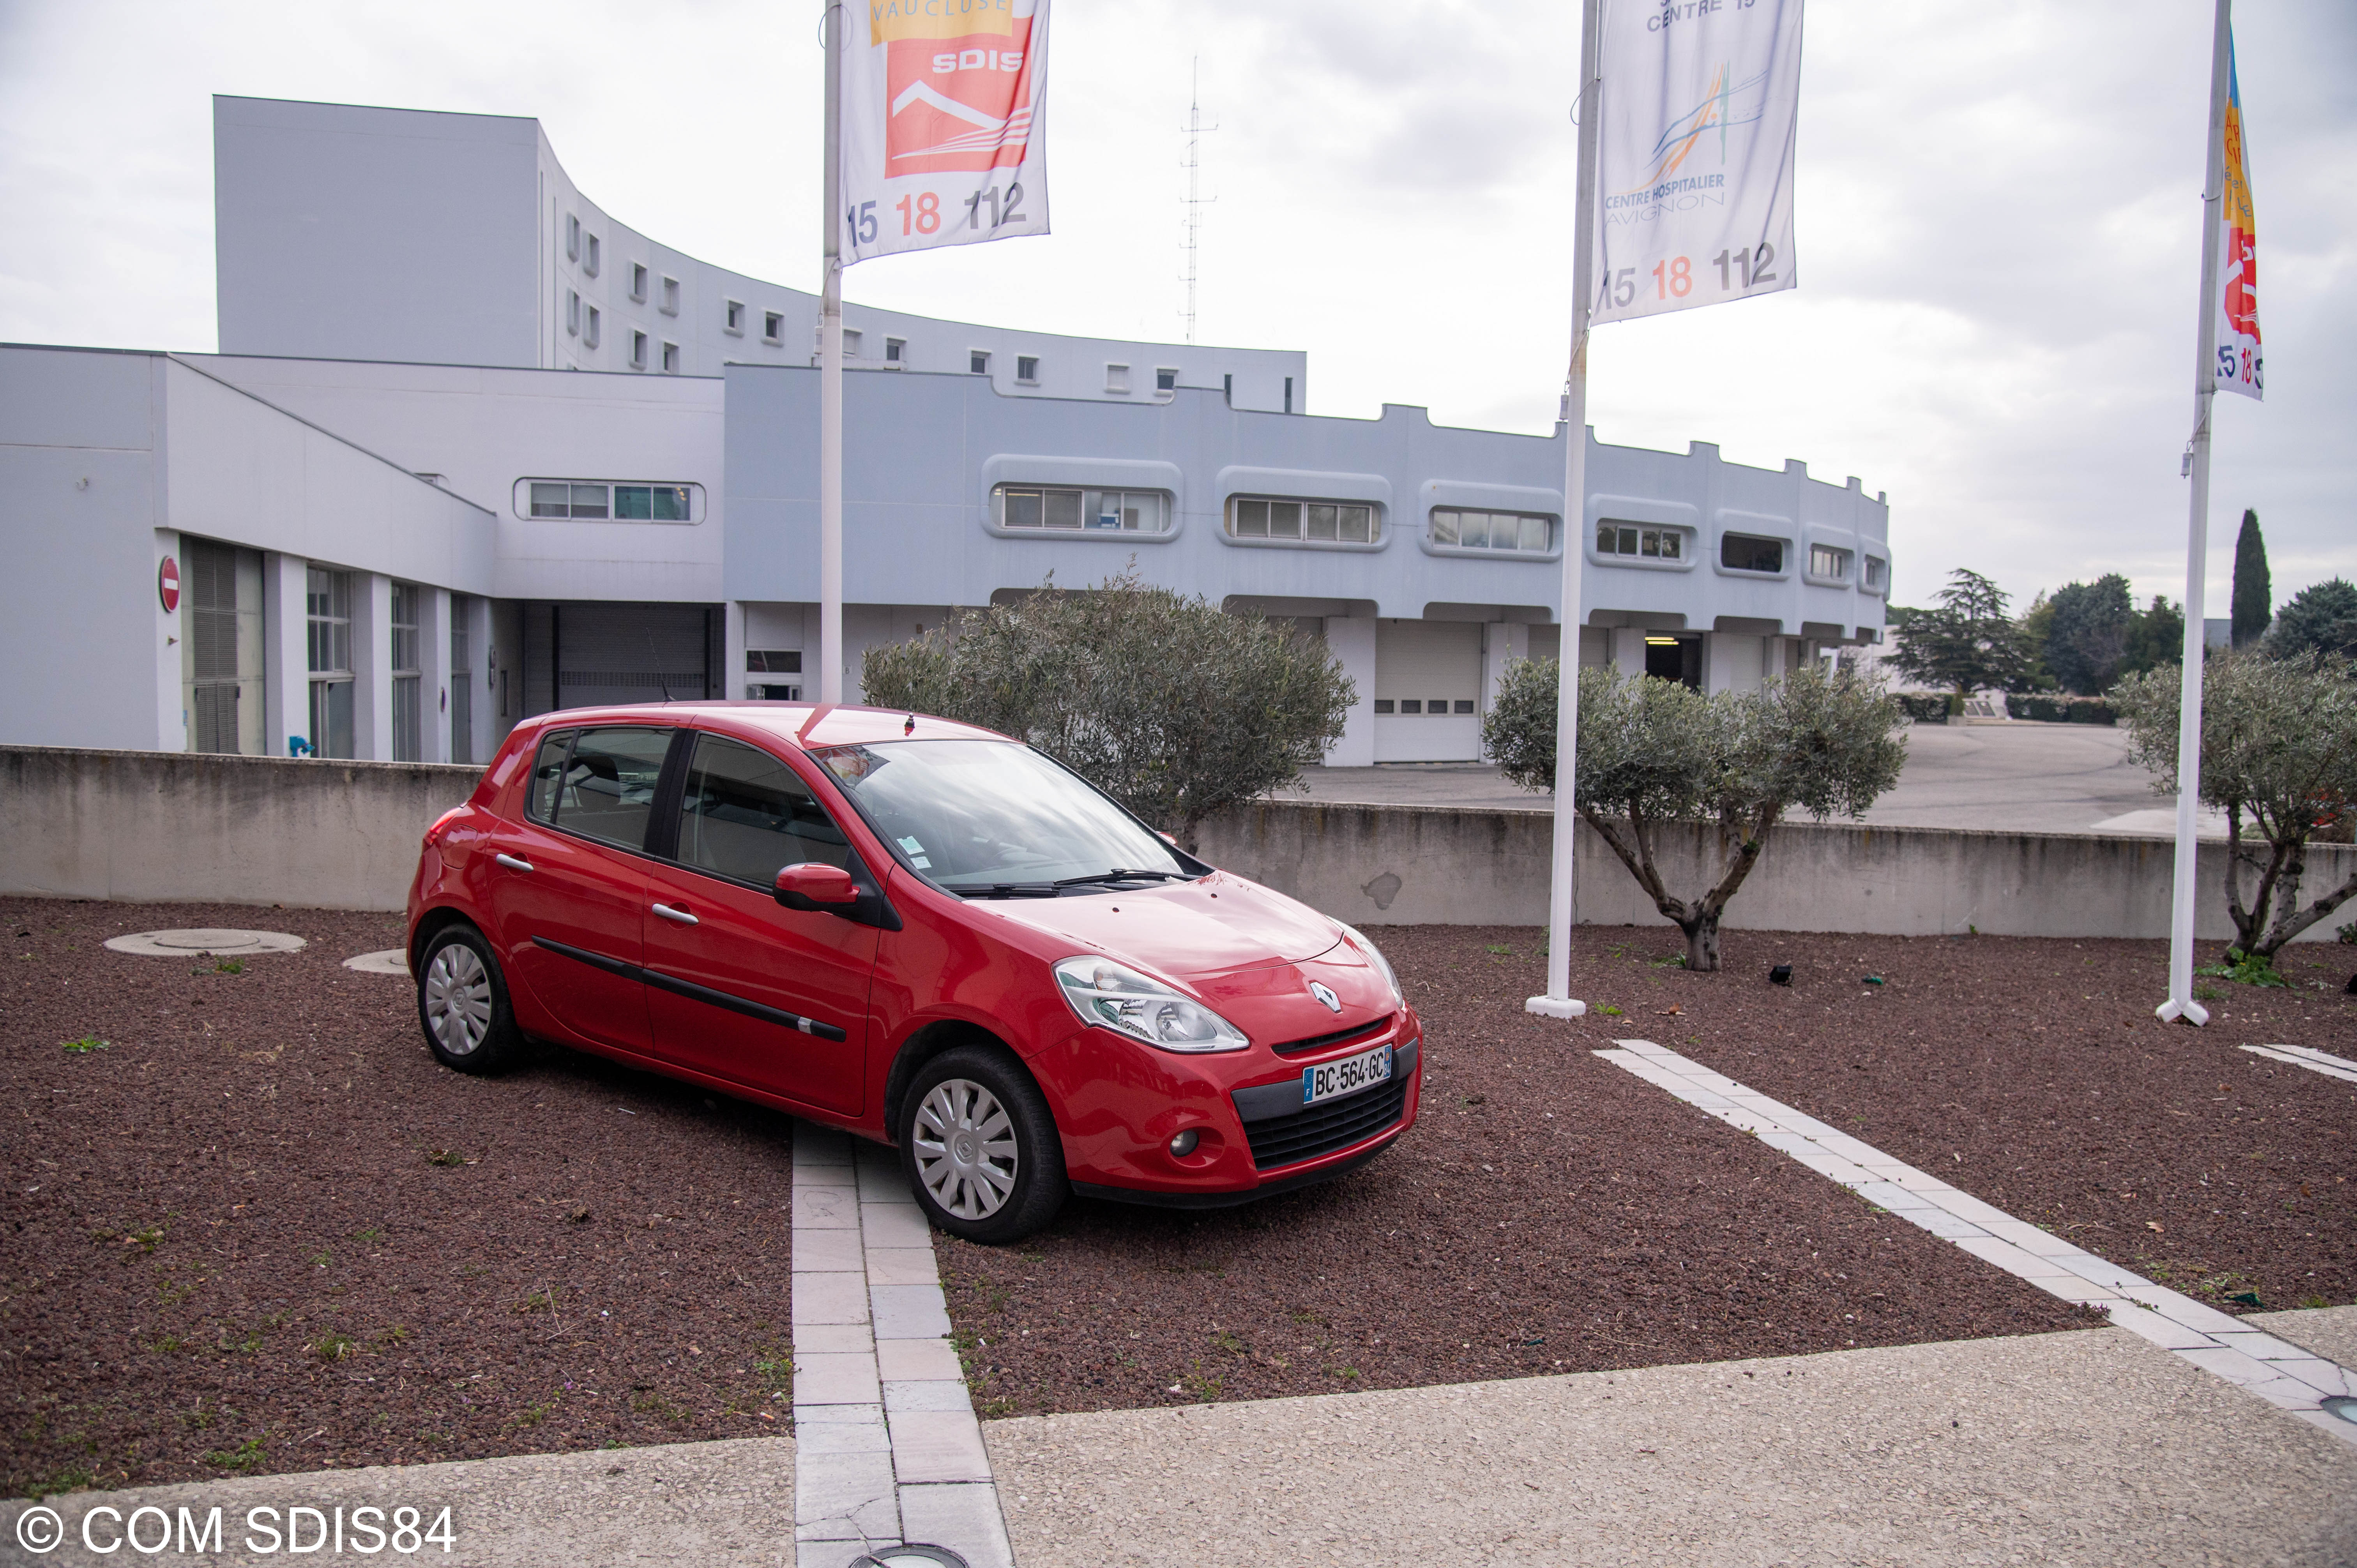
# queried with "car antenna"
point(654, 662)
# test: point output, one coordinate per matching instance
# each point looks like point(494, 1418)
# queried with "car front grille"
point(1318, 1042)
point(1322, 1129)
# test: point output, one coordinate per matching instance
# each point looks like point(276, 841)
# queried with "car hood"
point(1187, 930)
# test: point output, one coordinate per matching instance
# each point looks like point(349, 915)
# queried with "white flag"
point(1693, 178)
point(942, 119)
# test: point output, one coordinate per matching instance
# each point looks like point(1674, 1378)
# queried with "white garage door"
point(1428, 691)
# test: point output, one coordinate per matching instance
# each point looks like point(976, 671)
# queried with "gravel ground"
point(2034, 1075)
point(1549, 1212)
point(260, 1230)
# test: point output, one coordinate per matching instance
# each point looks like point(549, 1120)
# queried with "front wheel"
point(462, 1004)
point(981, 1148)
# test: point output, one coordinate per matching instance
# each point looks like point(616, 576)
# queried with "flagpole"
point(830, 381)
point(2186, 887)
point(1558, 1002)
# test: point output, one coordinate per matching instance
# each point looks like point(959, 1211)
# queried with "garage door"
point(599, 653)
point(1428, 691)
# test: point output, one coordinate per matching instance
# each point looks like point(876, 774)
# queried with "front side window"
point(1643, 543)
point(976, 816)
point(1335, 522)
point(1826, 561)
point(1750, 552)
point(1490, 530)
point(604, 788)
point(744, 815)
point(1049, 506)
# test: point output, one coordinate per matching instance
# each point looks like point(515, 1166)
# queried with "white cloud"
point(1998, 206)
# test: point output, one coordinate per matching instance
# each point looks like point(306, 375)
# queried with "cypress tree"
point(2253, 595)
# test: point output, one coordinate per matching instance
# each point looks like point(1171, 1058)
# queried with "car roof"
point(800, 725)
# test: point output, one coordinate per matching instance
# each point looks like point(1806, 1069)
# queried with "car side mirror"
point(814, 886)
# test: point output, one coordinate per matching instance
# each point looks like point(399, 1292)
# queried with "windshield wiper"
point(1117, 875)
point(1007, 890)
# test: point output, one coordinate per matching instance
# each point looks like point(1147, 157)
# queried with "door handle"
point(511, 863)
point(681, 915)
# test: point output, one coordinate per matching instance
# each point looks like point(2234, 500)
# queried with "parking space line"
point(2284, 1374)
point(2312, 1060)
point(887, 1445)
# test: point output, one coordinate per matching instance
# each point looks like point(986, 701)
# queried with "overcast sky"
point(1998, 208)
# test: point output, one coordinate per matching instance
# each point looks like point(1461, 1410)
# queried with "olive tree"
point(2278, 757)
point(1654, 752)
point(1170, 704)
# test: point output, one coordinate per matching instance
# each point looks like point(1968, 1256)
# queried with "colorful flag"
point(2240, 368)
point(942, 115)
point(1694, 173)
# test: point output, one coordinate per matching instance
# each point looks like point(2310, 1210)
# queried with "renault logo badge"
point(1318, 990)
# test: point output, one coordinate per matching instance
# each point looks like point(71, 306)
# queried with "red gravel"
point(229, 1250)
point(1549, 1212)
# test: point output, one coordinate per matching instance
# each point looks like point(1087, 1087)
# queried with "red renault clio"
point(924, 932)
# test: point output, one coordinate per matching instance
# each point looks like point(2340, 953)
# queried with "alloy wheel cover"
point(966, 1153)
point(457, 999)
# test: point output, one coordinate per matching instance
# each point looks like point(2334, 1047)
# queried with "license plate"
point(1331, 1080)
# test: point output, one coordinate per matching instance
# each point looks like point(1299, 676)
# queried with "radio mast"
point(1195, 201)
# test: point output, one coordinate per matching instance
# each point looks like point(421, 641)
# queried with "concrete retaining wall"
point(169, 826)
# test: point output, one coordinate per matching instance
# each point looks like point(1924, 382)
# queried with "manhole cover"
point(2340, 1405)
point(913, 1554)
point(391, 960)
point(217, 939)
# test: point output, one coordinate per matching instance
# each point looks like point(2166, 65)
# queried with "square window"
point(895, 350)
point(773, 326)
point(589, 254)
point(1166, 379)
point(1322, 521)
point(671, 358)
point(571, 238)
point(1464, 705)
point(638, 350)
point(1020, 508)
point(1826, 561)
point(1383, 705)
point(589, 329)
point(850, 344)
point(551, 501)
point(1026, 370)
point(1358, 525)
point(1411, 705)
point(1872, 576)
point(1251, 520)
point(1063, 508)
point(1473, 530)
point(1284, 520)
point(734, 318)
point(1444, 526)
point(1650, 543)
point(1438, 707)
point(1628, 541)
point(589, 502)
point(1607, 539)
point(1748, 553)
point(1671, 541)
point(1117, 378)
point(638, 283)
point(977, 363)
point(669, 306)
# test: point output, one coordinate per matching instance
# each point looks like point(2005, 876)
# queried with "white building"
point(473, 450)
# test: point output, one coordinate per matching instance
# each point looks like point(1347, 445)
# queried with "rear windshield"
point(977, 814)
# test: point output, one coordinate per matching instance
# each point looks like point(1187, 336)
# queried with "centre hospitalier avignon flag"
point(2239, 367)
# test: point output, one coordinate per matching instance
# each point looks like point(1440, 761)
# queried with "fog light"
point(1184, 1144)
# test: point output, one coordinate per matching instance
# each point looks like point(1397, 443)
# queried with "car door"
point(567, 885)
point(739, 986)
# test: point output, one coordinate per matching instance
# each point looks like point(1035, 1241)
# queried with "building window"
point(733, 317)
point(977, 363)
point(1337, 522)
point(1026, 370)
point(1872, 578)
point(1645, 543)
point(1749, 553)
point(638, 283)
point(222, 655)
point(328, 604)
point(1490, 530)
point(773, 327)
point(1288, 394)
point(896, 351)
point(1044, 506)
point(774, 662)
point(1824, 561)
point(462, 680)
point(598, 502)
point(589, 254)
point(671, 358)
point(1117, 379)
point(573, 313)
point(589, 329)
point(408, 673)
point(1166, 379)
point(850, 344)
point(669, 306)
point(1227, 386)
point(638, 350)
point(571, 238)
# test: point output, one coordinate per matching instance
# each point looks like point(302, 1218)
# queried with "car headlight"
point(1121, 999)
point(1374, 956)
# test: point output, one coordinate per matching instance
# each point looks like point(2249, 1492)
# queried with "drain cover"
point(391, 960)
point(2340, 1405)
point(219, 940)
point(913, 1554)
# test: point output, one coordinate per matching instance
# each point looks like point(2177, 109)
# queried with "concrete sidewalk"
point(2090, 1447)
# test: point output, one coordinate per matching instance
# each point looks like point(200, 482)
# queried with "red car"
point(924, 932)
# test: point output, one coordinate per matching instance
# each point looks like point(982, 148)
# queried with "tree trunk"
point(1702, 942)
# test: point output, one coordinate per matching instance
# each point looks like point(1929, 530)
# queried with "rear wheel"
point(981, 1148)
point(462, 1004)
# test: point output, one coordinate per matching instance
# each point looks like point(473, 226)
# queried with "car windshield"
point(976, 815)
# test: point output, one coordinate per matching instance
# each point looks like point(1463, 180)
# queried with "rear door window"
point(745, 815)
point(607, 789)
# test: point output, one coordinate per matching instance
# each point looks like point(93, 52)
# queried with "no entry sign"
point(167, 585)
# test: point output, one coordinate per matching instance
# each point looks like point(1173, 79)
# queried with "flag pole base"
point(2192, 1012)
point(1556, 1008)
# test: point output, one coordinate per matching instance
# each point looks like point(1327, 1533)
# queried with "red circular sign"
point(167, 585)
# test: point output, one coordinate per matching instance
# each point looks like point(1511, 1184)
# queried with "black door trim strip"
point(694, 992)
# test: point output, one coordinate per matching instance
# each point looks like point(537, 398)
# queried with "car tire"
point(462, 1004)
point(981, 1148)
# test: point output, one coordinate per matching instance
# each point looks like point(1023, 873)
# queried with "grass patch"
point(84, 1046)
point(246, 1456)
